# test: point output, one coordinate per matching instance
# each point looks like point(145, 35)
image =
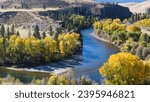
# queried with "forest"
point(125, 35)
point(57, 35)
point(15, 50)
point(132, 65)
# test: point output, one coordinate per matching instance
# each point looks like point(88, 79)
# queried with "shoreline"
point(59, 71)
point(104, 40)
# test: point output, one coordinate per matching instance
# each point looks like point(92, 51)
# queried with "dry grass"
point(138, 7)
point(27, 10)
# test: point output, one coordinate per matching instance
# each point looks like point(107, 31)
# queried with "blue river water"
point(95, 53)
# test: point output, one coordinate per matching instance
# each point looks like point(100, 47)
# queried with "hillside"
point(39, 3)
point(33, 3)
point(26, 18)
point(143, 7)
point(97, 10)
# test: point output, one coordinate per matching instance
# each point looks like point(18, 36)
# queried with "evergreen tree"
point(36, 33)
point(43, 35)
point(18, 34)
point(2, 30)
point(8, 32)
point(44, 6)
point(29, 33)
point(50, 30)
point(2, 6)
point(13, 29)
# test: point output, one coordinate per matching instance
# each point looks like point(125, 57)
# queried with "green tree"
point(29, 34)
point(8, 32)
point(2, 51)
point(44, 6)
point(2, 30)
point(18, 34)
point(50, 30)
point(2, 6)
point(13, 29)
point(58, 80)
point(36, 33)
point(43, 35)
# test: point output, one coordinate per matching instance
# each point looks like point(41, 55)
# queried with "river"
point(95, 53)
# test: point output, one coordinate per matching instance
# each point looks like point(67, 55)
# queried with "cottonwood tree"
point(123, 69)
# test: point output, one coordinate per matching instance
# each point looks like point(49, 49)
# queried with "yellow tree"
point(117, 20)
point(147, 72)
point(123, 69)
point(68, 43)
point(98, 25)
point(58, 80)
point(50, 47)
point(133, 28)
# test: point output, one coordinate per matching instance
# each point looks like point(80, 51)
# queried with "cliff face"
point(100, 11)
point(111, 11)
point(43, 18)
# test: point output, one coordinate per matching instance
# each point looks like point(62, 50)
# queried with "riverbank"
point(94, 54)
point(102, 39)
point(32, 70)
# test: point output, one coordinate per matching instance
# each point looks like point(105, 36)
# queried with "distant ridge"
point(143, 7)
point(39, 3)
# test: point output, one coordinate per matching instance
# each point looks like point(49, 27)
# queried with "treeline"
point(6, 32)
point(144, 22)
point(128, 37)
point(74, 23)
point(52, 80)
point(126, 69)
point(139, 16)
point(33, 51)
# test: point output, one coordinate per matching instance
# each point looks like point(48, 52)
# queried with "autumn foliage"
point(133, 28)
point(123, 69)
point(32, 51)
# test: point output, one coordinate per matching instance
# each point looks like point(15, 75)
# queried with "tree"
point(44, 6)
point(139, 51)
point(84, 81)
point(43, 35)
point(36, 33)
point(123, 69)
point(133, 28)
point(8, 32)
point(50, 30)
point(2, 51)
point(58, 80)
point(2, 30)
point(2, 6)
point(13, 29)
point(147, 72)
point(76, 22)
point(68, 43)
point(29, 33)
point(18, 34)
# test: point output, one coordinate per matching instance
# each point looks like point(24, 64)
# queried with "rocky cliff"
point(26, 18)
point(100, 11)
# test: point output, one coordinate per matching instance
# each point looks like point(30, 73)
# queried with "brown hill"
point(143, 7)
